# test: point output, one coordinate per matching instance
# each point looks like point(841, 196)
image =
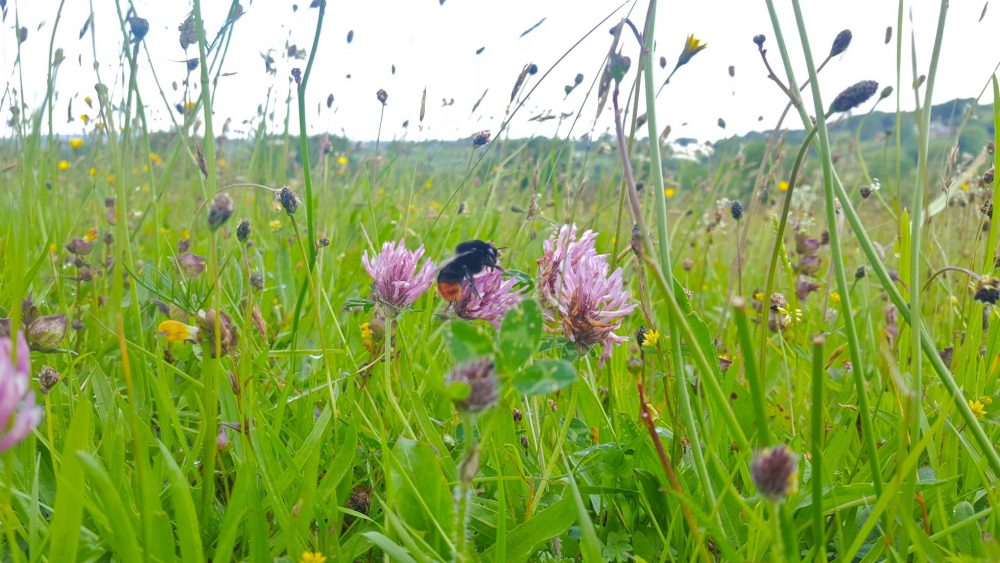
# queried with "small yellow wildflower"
point(53, 249)
point(84, 118)
point(834, 297)
point(342, 160)
point(92, 171)
point(220, 162)
point(965, 187)
point(366, 331)
point(76, 143)
point(145, 168)
point(978, 408)
point(91, 235)
point(782, 186)
point(111, 178)
point(313, 557)
point(89, 101)
point(188, 106)
point(155, 158)
point(428, 185)
point(64, 165)
point(691, 48)
point(176, 331)
point(669, 192)
point(185, 234)
point(274, 224)
point(759, 296)
point(650, 339)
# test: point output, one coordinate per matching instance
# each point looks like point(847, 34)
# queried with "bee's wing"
point(451, 259)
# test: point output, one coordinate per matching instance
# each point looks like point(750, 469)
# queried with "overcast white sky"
point(434, 46)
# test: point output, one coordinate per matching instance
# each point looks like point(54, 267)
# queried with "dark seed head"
point(257, 280)
point(243, 231)
point(481, 138)
point(516, 414)
point(885, 93)
point(382, 96)
point(841, 42)
point(987, 290)
point(775, 473)
point(759, 40)
point(736, 209)
point(853, 96)
point(220, 211)
point(289, 201)
point(532, 69)
point(859, 273)
point(139, 27)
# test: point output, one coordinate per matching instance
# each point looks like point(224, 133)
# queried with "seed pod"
point(382, 96)
point(46, 333)
point(206, 334)
point(736, 209)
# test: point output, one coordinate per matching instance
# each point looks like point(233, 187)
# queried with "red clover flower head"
point(397, 280)
point(18, 412)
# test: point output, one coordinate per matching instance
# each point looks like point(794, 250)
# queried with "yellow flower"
point(669, 192)
point(986, 400)
point(176, 331)
point(89, 101)
point(84, 118)
point(978, 408)
point(188, 106)
point(366, 331)
point(650, 339)
point(692, 47)
point(274, 224)
point(185, 234)
point(428, 185)
point(64, 165)
point(91, 235)
point(759, 296)
point(111, 178)
point(834, 297)
point(313, 557)
point(965, 187)
point(155, 158)
point(782, 186)
point(76, 143)
point(53, 249)
point(92, 171)
point(342, 160)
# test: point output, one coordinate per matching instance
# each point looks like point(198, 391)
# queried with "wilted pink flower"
point(398, 282)
point(191, 265)
point(803, 287)
point(492, 297)
point(579, 292)
point(18, 412)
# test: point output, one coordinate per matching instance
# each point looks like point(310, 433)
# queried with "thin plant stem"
point(816, 449)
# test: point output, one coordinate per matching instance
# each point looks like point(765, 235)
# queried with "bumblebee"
point(471, 257)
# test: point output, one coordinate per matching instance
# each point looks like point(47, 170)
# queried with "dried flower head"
point(481, 376)
point(759, 40)
point(775, 473)
point(481, 138)
point(382, 96)
point(220, 211)
point(48, 377)
point(206, 333)
point(853, 96)
point(79, 246)
point(397, 280)
point(490, 299)
point(841, 42)
point(18, 412)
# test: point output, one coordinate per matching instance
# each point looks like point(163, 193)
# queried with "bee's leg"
point(472, 283)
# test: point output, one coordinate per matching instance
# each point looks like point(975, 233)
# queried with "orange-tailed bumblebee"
point(471, 257)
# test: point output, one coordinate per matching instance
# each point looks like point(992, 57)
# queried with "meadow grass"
point(809, 373)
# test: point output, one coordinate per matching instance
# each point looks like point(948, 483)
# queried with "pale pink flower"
point(579, 292)
point(492, 297)
point(18, 412)
point(398, 281)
